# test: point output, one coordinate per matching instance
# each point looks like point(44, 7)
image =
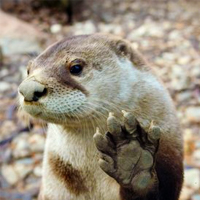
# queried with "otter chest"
point(71, 170)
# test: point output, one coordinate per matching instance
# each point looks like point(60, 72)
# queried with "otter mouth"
point(38, 110)
point(78, 114)
point(32, 111)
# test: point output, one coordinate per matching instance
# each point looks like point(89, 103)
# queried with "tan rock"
point(36, 143)
point(20, 146)
point(15, 172)
point(9, 174)
point(186, 193)
point(192, 178)
point(17, 36)
point(7, 127)
point(86, 27)
point(193, 114)
point(38, 170)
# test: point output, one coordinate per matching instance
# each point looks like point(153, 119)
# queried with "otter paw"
point(127, 152)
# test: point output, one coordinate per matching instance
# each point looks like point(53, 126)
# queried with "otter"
point(113, 133)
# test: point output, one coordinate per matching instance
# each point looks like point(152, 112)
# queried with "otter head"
point(81, 77)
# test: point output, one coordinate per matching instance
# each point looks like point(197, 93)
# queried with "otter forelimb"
point(128, 154)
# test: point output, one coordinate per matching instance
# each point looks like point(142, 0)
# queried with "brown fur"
point(71, 177)
point(169, 169)
point(65, 79)
point(123, 49)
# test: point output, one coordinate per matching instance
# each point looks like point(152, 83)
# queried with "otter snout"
point(32, 90)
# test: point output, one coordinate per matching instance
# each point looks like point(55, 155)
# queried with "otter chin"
point(113, 133)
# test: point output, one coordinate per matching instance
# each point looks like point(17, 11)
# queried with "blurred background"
point(166, 32)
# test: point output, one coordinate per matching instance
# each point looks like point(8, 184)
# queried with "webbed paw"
point(127, 152)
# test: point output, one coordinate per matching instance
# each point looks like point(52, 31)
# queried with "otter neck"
point(72, 144)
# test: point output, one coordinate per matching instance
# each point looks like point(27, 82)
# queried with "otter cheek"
point(65, 103)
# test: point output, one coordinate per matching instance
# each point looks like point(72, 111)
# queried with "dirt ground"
point(167, 33)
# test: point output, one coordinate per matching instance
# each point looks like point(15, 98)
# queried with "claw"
point(111, 114)
point(102, 143)
point(97, 130)
point(114, 126)
point(124, 112)
point(154, 133)
point(130, 122)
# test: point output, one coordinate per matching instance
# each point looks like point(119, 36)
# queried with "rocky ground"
point(166, 32)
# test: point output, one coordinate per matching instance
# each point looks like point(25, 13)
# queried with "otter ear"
point(123, 48)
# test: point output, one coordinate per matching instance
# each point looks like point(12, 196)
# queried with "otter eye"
point(28, 71)
point(76, 69)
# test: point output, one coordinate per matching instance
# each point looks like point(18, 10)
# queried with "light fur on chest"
point(71, 170)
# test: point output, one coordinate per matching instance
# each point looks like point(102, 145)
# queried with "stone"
point(192, 178)
point(196, 155)
point(26, 161)
point(184, 60)
point(184, 96)
point(17, 37)
point(107, 17)
point(196, 197)
point(33, 183)
point(86, 27)
point(169, 56)
point(7, 128)
point(23, 71)
point(195, 71)
point(22, 169)
point(193, 114)
point(36, 143)
point(56, 28)
point(175, 34)
point(10, 3)
point(38, 157)
point(38, 170)
point(186, 193)
point(4, 86)
point(9, 174)
point(180, 79)
point(15, 172)
point(4, 72)
point(106, 28)
point(149, 28)
point(6, 156)
point(20, 146)
point(189, 142)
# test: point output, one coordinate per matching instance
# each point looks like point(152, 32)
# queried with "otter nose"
point(32, 90)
